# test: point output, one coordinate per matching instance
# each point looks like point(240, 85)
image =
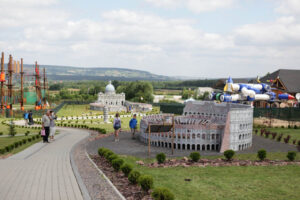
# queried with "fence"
point(288, 114)
point(175, 108)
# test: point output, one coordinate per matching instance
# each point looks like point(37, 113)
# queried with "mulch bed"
point(128, 190)
point(185, 162)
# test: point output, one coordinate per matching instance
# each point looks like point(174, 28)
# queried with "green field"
point(294, 133)
point(98, 123)
point(271, 182)
point(77, 110)
point(4, 129)
point(5, 141)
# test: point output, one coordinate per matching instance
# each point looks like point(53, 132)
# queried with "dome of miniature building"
point(189, 100)
point(110, 89)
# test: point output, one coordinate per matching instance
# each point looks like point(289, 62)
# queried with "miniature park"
point(237, 139)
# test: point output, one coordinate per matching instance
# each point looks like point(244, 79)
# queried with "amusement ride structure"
point(12, 85)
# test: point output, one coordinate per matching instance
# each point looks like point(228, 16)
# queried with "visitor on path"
point(46, 126)
point(117, 126)
point(26, 118)
point(30, 118)
point(133, 125)
point(52, 124)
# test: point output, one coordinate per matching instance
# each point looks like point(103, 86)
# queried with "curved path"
point(43, 171)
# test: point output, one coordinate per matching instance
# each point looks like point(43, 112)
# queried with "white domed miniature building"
point(114, 102)
point(110, 89)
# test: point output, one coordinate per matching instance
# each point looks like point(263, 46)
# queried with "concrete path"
point(42, 171)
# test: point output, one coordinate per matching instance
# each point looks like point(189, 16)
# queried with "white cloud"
point(196, 6)
point(289, 7)
point(124, 38)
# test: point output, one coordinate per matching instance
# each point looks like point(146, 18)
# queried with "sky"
point(194, 38)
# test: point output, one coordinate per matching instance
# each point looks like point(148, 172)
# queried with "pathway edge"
point(82, 187)
point(105, 177)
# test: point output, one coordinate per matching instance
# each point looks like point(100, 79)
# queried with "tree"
point(11, 129)
point(139, 91)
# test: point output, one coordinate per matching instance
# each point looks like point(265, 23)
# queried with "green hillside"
point(80, 73)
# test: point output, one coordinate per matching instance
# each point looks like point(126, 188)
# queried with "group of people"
point(117, 126)
point(48, 126)
point(28, 118)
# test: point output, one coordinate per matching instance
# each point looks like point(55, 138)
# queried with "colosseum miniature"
point(204, 126)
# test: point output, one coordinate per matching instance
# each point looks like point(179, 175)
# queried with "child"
point(133, 125)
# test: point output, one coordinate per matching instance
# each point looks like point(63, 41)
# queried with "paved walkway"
point(42, 171)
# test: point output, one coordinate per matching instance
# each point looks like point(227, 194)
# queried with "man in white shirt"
point(46, 126)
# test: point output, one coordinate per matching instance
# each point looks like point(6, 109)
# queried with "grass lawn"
point(77, 110)
point(294, 133)
point(271, 182)
point(4, 129)
point(97, 123)
point(5, 141)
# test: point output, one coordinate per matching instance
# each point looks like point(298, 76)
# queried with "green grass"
point(97, 123)
point(5, 141)
point(4, 128)
point(271, 182)
point(77, 110)
point(294, 133)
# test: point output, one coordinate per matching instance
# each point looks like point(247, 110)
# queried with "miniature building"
point(114, 102)
point(204, 126)
point(138, 107)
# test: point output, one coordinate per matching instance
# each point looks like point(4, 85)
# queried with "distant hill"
point(79, 73)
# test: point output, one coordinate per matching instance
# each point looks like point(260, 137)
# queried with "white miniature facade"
point(204, 126)
point(110, 99)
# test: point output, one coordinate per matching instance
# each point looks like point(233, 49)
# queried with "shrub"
point(20, 143)
point(24, 141)
point(298, 143)
point(7, 148)
point(29, 139)
point(146, 182)
point(126, 169)
point(162, 194)
point(27, 133)
point(112, 157)
point(256, 131)
point(262, 154)
point(117, 163)
point(294, 141)
point(289, 126)
point(195, 156)
point(282, 126)
point(11, 147)
point(16, 144)
point(274, 135)
point(161, 157)
point(287, 139)
point(291, 155)
point(134, 176)
point(1, 133)
point(108, 153)
point(279, 137)
point(295, 127)
point(2, 151)
point(101, 151)
point(33, 138)
point(229, 154)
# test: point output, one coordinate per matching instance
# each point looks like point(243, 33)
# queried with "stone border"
point(105, 177)
point(83, 189)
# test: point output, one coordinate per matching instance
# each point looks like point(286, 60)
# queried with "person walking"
point(117, 126)
point(30, 118)
point(52, 124)
point(46, 126)
point(133, 125)
point(26, 118)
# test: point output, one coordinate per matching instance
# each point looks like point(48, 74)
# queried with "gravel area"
point(98, 188)
point(128, 146)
